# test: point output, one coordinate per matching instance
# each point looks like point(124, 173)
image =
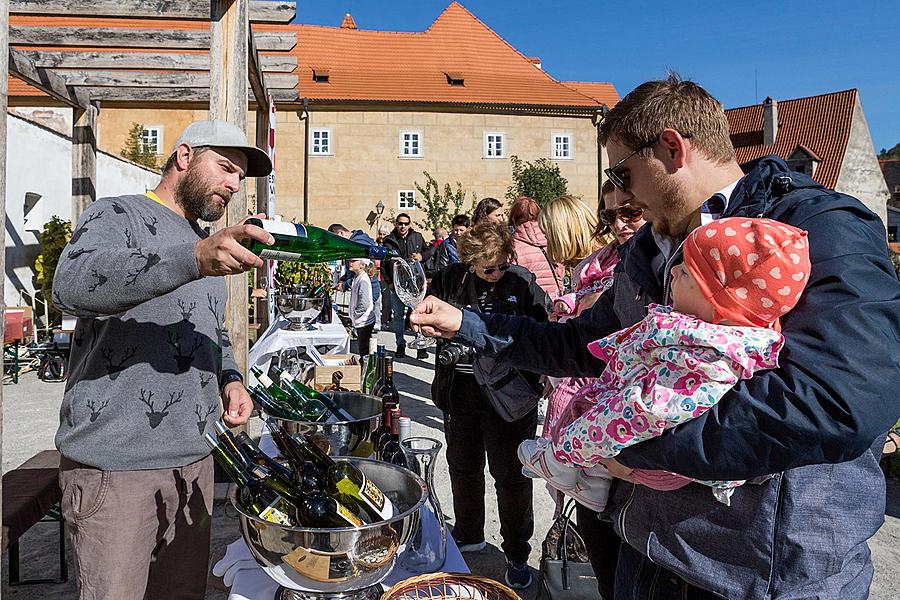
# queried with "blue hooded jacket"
point(811, 430)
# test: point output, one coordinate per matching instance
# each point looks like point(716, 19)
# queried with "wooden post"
point(4, 88)
point(230, 26)
point(261, 305)
point(84, 159)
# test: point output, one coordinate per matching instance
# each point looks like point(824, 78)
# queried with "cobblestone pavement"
point(30, 418)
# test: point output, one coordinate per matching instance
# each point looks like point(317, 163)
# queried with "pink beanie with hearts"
point(752, 271)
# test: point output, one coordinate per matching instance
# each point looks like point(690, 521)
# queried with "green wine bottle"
point(308, 412)
point(273, 407)
point(314, 397)
point(295, 242)
point(253, 496)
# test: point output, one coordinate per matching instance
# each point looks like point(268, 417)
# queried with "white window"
point(320, 141)
point(406, 199)
point(410, 144)
point(151, 139)
point(494, 145)
point(562, 146)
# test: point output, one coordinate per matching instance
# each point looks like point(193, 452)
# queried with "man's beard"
point(674, 206)
point(195, 196)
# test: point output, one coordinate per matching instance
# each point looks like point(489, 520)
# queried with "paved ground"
point(30, 420)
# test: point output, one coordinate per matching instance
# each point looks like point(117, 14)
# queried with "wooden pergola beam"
point(21, 67)
point(84, 59)
point(255, 76)
point(260, 11)
point(118, 37)
point(163, 80)
point(151, 96)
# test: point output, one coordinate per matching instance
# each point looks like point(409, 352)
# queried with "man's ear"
point(183, 155)
point(674, 148)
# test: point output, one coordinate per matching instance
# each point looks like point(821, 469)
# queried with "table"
point(249, 582)
point(278, 336)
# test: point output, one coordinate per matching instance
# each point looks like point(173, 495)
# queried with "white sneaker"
point(539, 463)
point(592, 490)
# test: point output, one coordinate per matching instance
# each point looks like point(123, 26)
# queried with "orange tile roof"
point(602, 92)
point(369, 65)
point(382, 66)
point(820, 124)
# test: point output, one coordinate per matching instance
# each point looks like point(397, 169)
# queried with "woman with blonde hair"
point(577, 237)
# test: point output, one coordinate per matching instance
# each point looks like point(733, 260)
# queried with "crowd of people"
point(718, 349)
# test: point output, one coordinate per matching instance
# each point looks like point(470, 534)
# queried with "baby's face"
point(686, 295)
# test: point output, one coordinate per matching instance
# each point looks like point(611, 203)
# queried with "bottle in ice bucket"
point(307, 243)
point(310, 411)
point(273, 407)
point(342, 476)
point(312, 395)
point(253, 496)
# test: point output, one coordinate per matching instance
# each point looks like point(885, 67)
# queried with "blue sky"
point(741, 51)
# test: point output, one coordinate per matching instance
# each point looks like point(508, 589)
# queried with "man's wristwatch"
point(229, 376)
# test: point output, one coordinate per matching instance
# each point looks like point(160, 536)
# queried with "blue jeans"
point(639, 578)
point(398, 317)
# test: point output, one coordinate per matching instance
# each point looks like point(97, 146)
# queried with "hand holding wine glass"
point(410, 286)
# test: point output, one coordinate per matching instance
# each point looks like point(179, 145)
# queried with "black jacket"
point(405, 247)
point(516, 293)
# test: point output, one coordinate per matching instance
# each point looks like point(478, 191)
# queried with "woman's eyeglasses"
point(628, 214)
point(490, 270)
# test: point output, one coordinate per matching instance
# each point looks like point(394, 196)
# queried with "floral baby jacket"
point(667, 369)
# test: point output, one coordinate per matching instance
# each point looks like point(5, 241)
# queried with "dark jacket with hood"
point(404, 246)
point(811, 430)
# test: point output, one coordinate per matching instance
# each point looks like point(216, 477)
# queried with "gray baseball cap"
point(221, 134)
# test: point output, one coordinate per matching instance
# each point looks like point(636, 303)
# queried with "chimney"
point(348, 22)
point(770, 121)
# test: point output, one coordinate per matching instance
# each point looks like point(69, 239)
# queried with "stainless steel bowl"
point(344, 438)
point(341, 561)
point(299, 310)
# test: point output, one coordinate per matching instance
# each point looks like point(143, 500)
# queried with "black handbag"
point(565, 570)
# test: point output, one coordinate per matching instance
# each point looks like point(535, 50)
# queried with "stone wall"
point(365, 165)
point(860, 174)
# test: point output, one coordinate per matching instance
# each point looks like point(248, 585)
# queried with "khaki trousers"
point(139, 535)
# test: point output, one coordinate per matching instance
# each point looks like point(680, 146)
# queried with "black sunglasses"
point(621, 180)
point(628, 214)
point(403, 223)
point(502, 268)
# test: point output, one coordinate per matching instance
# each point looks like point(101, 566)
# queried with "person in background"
point(531, 246)
point(151, 364)
point(429, 256)
point(488, 282)
point(447, 253)
point(409, 245)
point(345, 280)
point(383, 304)
point(572, 232)
point(362, 308)
point(488, 209)
point(440, 234)
point(810, 432)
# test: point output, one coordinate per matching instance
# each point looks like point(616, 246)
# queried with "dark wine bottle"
point(389, 391)
point(257, 456)
point(272, 407)
point(253, 496)
point(383, 433)
point(392, 452)
point(380, 353)
point(312, 396)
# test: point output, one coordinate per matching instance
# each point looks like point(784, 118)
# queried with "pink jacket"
point(529, 241)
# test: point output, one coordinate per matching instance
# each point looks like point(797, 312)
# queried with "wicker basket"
point(449, 586)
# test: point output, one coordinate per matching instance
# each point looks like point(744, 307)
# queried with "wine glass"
point(410, 285)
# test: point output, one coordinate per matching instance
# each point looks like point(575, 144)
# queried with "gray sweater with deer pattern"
point(149, 345)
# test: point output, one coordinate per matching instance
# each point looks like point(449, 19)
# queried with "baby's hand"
point(617, 469)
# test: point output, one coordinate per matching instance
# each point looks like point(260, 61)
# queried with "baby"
point(739, 276)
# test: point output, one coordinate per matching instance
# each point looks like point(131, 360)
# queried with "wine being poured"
point(410, 286)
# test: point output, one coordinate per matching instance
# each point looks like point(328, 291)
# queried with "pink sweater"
point(529, 240)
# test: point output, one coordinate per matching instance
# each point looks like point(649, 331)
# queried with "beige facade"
point(364, 164)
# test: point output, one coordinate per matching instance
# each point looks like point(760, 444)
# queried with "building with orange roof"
point(379, 108)
point(824, 136)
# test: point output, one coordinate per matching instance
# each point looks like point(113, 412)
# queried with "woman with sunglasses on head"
point(486, 281)
point(568, 232)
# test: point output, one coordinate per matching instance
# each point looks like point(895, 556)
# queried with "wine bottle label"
point(348, 516)
point(274, 515)
point(279, 255)
point(368, 492)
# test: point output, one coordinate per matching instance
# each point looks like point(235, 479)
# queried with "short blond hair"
point(672, 103)
point(485, 241)
point(569, 225)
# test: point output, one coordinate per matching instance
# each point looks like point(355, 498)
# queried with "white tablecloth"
point(249, 582)
point(278, 336)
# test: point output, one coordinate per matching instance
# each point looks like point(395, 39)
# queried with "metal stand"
point(13, 556)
